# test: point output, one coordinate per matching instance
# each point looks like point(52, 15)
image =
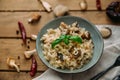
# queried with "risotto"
point(68, 46)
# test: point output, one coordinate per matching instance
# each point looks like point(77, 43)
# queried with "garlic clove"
point(60, 10)
point(83, 5)
point(33, 37)
point(106, 32)
point(46, 5)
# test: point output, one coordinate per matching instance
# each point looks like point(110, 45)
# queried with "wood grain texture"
point(9, 21)
point(13, 48)
point(17, 76)
point(24, 5)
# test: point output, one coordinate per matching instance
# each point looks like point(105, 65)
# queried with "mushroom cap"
point(106, 32)
point(10, 61)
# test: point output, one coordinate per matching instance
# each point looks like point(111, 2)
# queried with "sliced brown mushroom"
point(86, 35)
point(77, 54)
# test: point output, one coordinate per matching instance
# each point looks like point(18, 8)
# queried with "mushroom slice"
point(106, 32)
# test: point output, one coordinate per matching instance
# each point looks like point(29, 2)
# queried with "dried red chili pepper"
point(23, 32)
point(98, 4)
point(33, 67)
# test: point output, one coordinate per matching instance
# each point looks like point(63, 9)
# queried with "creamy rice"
point(72, 56)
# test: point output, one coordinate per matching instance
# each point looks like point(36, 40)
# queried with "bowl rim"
point(60, 70)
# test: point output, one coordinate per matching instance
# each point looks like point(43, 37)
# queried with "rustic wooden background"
point(12, 11)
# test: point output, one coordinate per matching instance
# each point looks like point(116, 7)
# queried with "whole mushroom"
point(28, 54)
point(11, 63)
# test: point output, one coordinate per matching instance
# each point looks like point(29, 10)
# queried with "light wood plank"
point(17, 76)
point(8, 21)
point(36, 5)
point(20, 5)
point(13, 48)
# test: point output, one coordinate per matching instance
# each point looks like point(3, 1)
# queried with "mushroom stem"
point(28, 54)
point(17, 68)
point(33, 37)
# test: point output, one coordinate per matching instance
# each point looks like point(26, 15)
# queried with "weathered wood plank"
point(17, 76)
point(36, 5)
point(8, 21)
point(13, 48)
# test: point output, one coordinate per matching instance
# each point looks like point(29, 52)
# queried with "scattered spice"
point(28, 41)
point(46, 5)
point(11, 63)
point(18, 57)
point(23, 32)
point(60, 10)
point(83, 5)
point(34, 18)
point(28, 47)
point(33, 67)
point(98, 4)
point(17, 32)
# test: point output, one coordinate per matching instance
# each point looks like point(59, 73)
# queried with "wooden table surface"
point(12, 11)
